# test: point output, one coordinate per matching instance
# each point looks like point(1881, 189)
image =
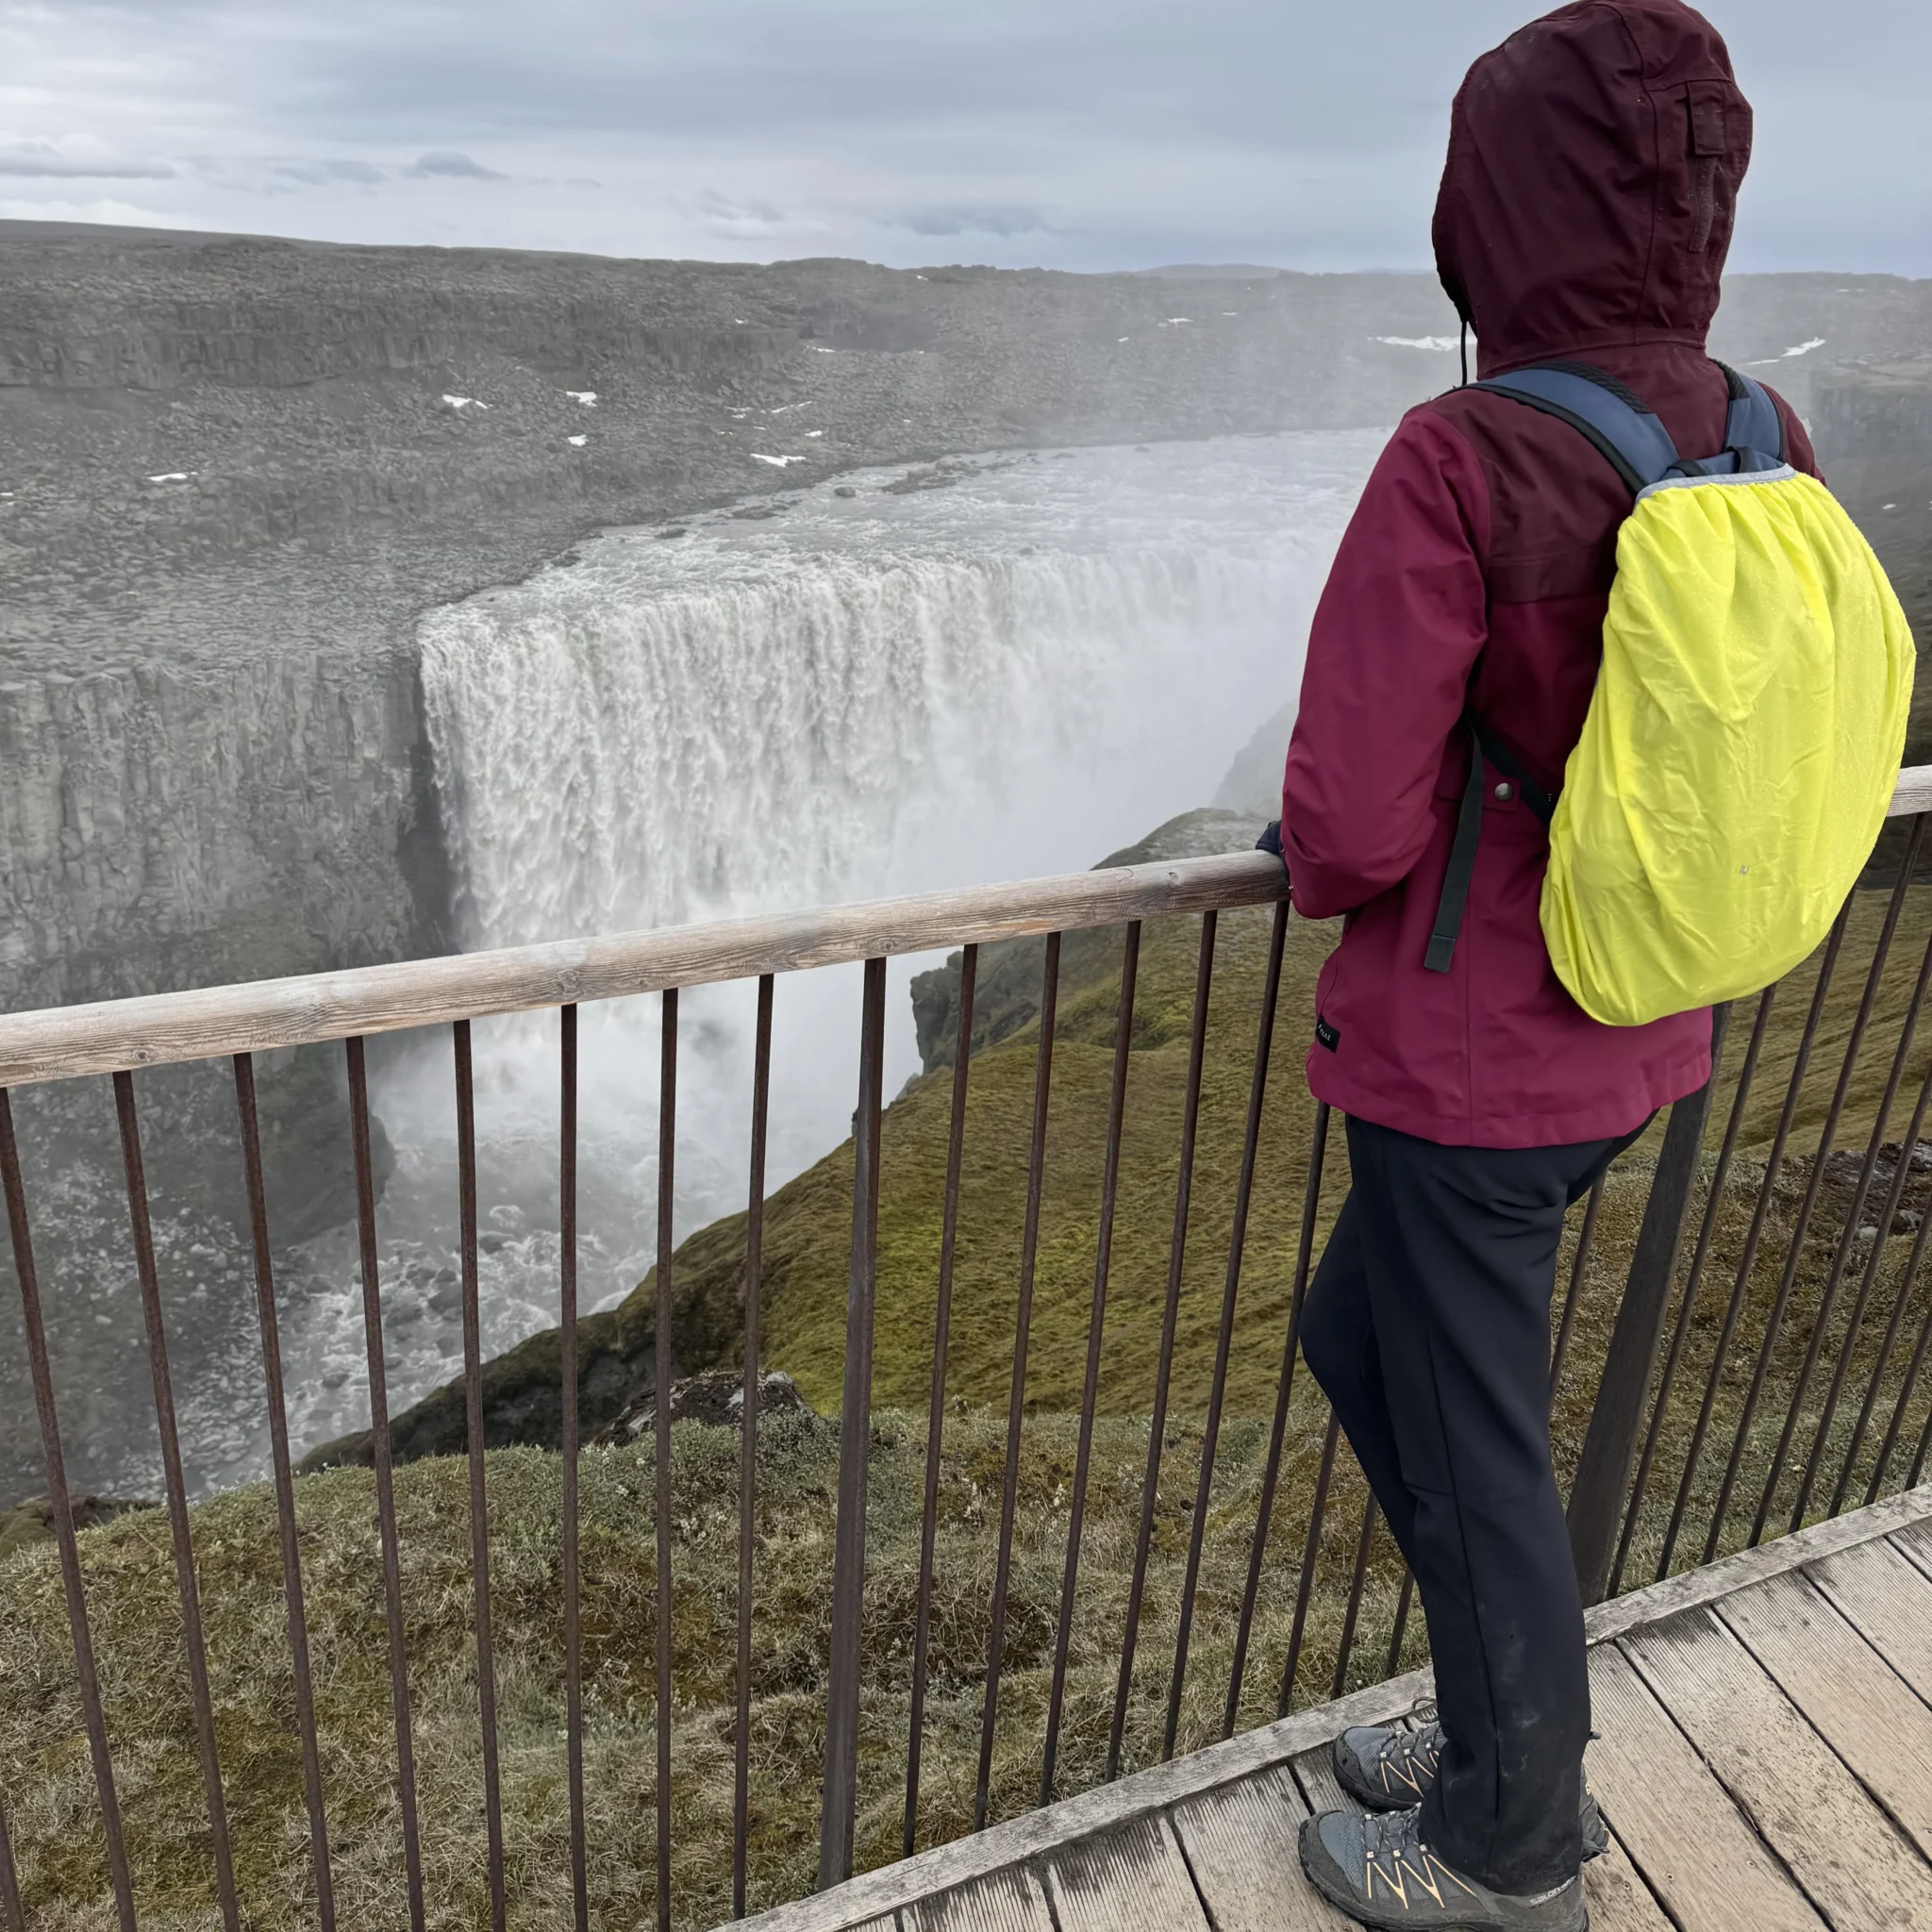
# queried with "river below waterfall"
point(894, 681)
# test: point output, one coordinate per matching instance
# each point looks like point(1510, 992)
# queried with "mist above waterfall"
point(870, 692)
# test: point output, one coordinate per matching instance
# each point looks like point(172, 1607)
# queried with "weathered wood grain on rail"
point(1914, 793)
point(63, 1041)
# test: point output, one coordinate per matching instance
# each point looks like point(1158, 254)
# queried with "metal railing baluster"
point(571, 1450)
point(285, 1490)
point(1401, 1626)
point(1016, 1401)
point(1345, 1643)
point(1089, 1387)
point(1197, 1048)
point(1284, 1389)
point(936, 1416)
point(1700, 1255)
point(661, 1370)
point(1311, 1550)
point(1223, 1341)
point(838, 1812)
point(479, 1492)
point(1585, 1238)
point(1908, 1383)
point(385, 1478)
point(178, 1528)
point(1855, 1323)
point(88, 1677)
point(11, 1910)
point(1610, 1443)
point(748, 1440)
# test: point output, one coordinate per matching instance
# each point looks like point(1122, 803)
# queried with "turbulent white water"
point(856, 691)
point(875, 692)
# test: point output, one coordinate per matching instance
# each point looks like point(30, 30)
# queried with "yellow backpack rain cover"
point(1740, 753)
point(1744, 743)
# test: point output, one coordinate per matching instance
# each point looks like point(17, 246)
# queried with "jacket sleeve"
point(1395, 637)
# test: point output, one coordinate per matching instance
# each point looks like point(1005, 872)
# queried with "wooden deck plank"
point(1839, 1846)
point(1890, 1600)
point(1011, 1901)
point(1664, 1812)
point(1693, 1846)
point(1618, 1899)
point(1315, 1773)
point(1132, 1880)
point(1863, 1709)
point(1242, 1844)
point(1914, 1541)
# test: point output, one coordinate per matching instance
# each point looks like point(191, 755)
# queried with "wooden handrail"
point(156, 1029)
point(59, 1042)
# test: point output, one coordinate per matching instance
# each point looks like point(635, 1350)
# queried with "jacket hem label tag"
point(1326, 1035)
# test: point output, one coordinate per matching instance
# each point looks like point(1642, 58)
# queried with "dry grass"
point(53, 1818)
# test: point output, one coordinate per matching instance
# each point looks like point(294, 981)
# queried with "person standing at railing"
point(1585, 214)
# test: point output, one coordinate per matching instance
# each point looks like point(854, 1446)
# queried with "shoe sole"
point(1352, 1907)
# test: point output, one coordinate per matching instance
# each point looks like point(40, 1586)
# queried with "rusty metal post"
point(1609, 1447)
point(840, 1806)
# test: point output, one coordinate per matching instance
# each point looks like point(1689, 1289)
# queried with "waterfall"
point(878, 693)
point(990, 669)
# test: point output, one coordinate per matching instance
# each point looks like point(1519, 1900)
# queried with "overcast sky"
point(1083, 134)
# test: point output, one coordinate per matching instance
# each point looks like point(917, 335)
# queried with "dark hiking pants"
point(1428, 1326)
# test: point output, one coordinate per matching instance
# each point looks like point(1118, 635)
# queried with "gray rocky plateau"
point(211, 757)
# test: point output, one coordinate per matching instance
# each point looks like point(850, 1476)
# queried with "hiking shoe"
point(1377, 1870)
point(1388, 1768)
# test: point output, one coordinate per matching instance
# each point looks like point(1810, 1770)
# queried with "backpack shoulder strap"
point(1754, 430)
point(1633, 440)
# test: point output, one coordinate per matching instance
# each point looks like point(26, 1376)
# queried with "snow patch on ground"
point(576, 442)
point(1438, 343)
point(171, 477)
point(586, 396)
point(777, 462)
point(460, 403)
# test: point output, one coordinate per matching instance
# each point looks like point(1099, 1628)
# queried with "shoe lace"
point(1394, 1834)
point(1406, 1747)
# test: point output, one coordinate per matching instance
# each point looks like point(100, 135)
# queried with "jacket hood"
point(1588, 200)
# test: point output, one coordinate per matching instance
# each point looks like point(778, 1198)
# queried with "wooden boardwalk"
point(1765, 1762)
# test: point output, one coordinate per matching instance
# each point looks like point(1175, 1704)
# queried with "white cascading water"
point(865, 692)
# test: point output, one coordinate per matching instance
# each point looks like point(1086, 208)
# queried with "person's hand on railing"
point(1270, 840)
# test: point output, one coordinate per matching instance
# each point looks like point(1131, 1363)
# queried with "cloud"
point(319, 173)
point(973, 221)
point(443, 163)
point(727, 217)
point(1087, 134)
point(42, 161)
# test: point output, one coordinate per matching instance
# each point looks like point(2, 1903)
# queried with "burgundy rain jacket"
point(1585, 214)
